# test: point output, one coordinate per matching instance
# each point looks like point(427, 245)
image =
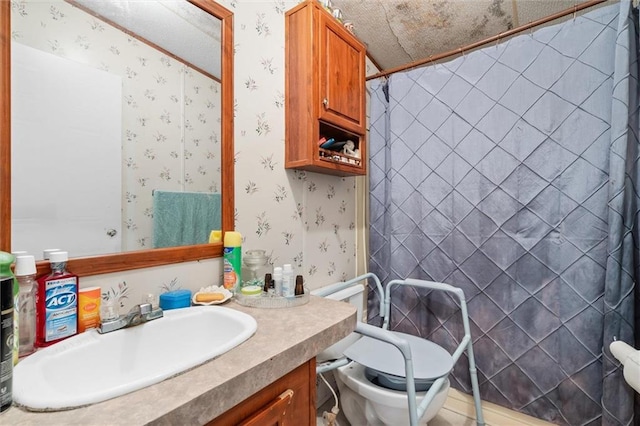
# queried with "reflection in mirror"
point(127, 120)
point(158, 120)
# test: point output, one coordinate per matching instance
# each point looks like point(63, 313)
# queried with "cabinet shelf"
point(324, 93)
point(339, 157)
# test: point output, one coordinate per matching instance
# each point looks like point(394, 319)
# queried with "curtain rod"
point(498, 37)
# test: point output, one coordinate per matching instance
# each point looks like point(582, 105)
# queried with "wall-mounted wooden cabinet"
point(325, 93)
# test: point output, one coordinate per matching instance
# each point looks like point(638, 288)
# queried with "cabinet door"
point(342, 76)
point(273, 414)
point(295, 391)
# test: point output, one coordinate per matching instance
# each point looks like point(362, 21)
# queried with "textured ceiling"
point(397, 32)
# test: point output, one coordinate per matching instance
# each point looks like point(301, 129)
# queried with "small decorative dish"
point(212, 295)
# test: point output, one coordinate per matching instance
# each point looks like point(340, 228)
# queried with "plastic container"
point(232, 255)
point(277, 280)
point(175, 299)
point(255, 267)
point(25, 271)
point(57, 302)
point(288, 285)
point(7, 300)
point(89, 302)
point(251, 291)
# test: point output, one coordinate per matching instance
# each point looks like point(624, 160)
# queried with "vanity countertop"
point(285, 338)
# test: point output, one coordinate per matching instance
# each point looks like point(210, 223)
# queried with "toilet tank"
point(354, 295)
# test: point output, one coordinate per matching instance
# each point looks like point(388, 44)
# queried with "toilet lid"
point(430, 360)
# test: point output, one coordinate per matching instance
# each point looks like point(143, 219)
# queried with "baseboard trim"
point(495, 415)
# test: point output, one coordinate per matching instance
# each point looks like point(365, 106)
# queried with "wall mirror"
point(136, 98)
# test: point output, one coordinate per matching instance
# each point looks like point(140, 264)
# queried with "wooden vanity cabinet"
point(290, 400)
point(325, 92)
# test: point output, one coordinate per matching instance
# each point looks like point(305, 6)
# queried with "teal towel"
point(184, 218)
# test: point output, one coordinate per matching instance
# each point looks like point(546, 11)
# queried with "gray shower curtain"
point(512, 173)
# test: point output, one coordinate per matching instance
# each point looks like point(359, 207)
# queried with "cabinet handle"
point(325, 102)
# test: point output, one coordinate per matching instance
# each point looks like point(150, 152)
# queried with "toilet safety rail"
point(416, 411)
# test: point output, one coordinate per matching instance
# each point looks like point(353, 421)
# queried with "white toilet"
point(365, 403)
point(370, 392)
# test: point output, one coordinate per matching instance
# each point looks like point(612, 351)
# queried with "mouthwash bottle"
point(56, 302)
point(7, 283)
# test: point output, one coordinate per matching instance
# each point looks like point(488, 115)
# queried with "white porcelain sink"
point(92, 367)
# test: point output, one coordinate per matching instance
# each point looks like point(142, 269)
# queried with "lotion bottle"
point(287, 281)
point(277, 280)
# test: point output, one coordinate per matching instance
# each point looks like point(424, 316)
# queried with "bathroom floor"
point(459, 411)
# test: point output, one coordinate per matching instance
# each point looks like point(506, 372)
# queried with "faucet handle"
point(108, 311)
point(145, 308)
point(151, 298)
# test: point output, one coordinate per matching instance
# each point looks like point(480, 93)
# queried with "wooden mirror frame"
point(103, 264)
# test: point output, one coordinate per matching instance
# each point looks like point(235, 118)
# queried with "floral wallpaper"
point(171, 112)
point(303, 218)
point(306, 219)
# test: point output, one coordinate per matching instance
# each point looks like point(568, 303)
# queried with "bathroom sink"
point(93, 367)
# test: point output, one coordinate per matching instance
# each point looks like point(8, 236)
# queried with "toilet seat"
point(389, 381)
point(430, 361)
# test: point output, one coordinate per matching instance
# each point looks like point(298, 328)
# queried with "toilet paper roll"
point(630, 359)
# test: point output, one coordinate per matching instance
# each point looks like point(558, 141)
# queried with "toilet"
point(371, 385)
point(365, 403)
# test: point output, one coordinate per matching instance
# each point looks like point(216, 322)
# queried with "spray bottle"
point(232, 261)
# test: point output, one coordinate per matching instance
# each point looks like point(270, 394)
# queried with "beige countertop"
point(285, 338)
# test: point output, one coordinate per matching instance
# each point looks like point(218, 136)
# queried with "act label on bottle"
point(61, 308)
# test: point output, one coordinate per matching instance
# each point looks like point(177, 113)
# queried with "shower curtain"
point(512, 172)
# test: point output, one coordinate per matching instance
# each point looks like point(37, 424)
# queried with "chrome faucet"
point(139, 314)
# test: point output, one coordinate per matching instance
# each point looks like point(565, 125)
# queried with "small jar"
point(255, 266)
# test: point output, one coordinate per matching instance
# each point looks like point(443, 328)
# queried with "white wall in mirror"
point(171, 112)
point(66, 122)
